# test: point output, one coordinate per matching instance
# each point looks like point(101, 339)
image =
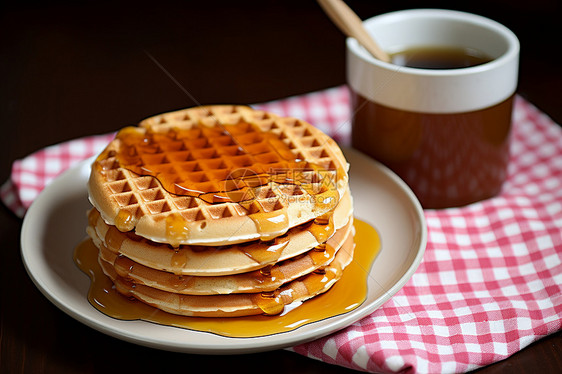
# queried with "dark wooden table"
point(70, 70)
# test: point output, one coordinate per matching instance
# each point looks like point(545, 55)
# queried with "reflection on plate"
point(56, 222)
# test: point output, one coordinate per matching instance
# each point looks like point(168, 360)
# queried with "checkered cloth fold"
point(491, 278)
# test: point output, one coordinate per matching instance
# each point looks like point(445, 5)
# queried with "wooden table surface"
point(70, 70)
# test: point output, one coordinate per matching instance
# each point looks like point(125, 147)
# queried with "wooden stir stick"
point(350, 24)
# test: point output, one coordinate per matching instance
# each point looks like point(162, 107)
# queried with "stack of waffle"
point(221, 211)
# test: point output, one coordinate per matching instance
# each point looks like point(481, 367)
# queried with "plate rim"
point(229, 345)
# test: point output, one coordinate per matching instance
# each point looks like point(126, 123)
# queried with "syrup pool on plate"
point(345, 295)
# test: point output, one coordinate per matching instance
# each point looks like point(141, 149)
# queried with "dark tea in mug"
point(436, 57)
point(439, 116)
point(446, 159)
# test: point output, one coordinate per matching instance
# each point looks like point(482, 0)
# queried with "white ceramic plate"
point(56, 222)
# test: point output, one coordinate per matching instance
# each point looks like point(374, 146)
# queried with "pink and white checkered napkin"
point(491, 279)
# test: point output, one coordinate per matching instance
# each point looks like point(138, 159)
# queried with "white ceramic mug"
point(444, 131)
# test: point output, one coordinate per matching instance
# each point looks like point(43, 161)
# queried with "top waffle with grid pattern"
point(197, 150)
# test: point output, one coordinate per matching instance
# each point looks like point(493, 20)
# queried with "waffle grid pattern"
point(142, 195)
point(198, 149)
point(304, 141)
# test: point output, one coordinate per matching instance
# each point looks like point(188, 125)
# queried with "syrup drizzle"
point(323, 228)
point(346, 295)
point(241, 156)
point(124, 220)
point(114, 238)
point(271, 224)
point(176, 231)
point(269, 303)
point(267, 255)
point(268, 278)
point(263, 253)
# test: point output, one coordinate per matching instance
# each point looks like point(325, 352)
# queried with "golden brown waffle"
point(203, 199)
point(241, 304)
point(213, 261)
point(266, 279)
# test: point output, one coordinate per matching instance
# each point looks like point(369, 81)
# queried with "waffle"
point(241, 304)
point(266, 279)
point(221, 211)
point(223, 260)
point(217, 175)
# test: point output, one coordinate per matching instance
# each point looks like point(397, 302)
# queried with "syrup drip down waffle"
point(221, 211)
point(223, 260)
